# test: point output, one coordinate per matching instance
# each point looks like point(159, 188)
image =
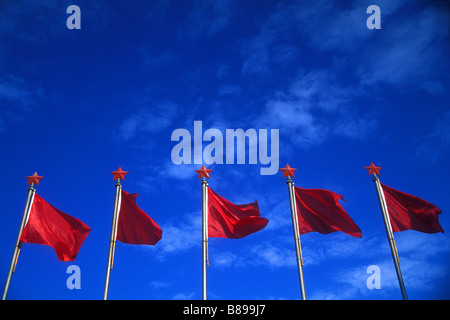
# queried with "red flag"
point(320, 211)
point(50, 226)
point(135, 226)
point(408, 212)
point(229, 220)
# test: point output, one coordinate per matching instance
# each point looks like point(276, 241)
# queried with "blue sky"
point(77, 104)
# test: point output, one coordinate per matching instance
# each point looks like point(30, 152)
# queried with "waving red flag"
point(135, 226)
point(408, 212)
point(320, 211)
point(228, 220)
point(50, 226)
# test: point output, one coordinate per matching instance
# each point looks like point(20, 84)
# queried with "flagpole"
point(205, 234)
point(390, 234)
point(112, 243)
point(374, 170)
point(15, 257)
point(204, 173)
point(298, 246)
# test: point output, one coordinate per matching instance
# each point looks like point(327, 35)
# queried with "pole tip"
point(288, 171)
point(119, 174)
point(203, 172)
point(373, 169)
point(34, 179)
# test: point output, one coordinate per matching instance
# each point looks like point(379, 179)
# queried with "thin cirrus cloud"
point(351, 282)
point(17, 99)
point(147, 120)
point(316, 107)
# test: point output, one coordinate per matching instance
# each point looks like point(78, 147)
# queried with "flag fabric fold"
point(319, 210)
point(232, 221)
point(408, 212)
point(50, 226)
point(134, 225)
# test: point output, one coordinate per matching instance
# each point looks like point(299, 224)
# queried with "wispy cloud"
point(155, 60)
point(405, 58)
point(159, 284)
point(39, 21)
point(210, 17)
point(256, 52)
point(274, 256)
point(315, 107)
point(436, 141)
point(184, 296)
point(275, 45)
point(147, 120)
point(351, 282)
point(17, 98)
point(224, 259)
point(16, 90)
point(229, 90)
point(318, 248)
point(180, 237)
point(158, 12)
point(392, 55)
point(416, 250)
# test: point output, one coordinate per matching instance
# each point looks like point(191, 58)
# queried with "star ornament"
point(119, 174)
point(203, 172)
point(288, 171)
point(34, 179)
point(373, 169)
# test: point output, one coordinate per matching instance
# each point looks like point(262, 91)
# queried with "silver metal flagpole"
point(298, 246)
point(112, 242)
point(390, 235)
point(205, 233)
point(204, 173)
point(26, 212)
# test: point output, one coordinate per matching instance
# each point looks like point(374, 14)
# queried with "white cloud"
point(423, 262)
point(223, 259)
point(409, 50)
point(147, 120)
point(264, 254)
point(184, 296)
point(229, 90)
point(159, 284)
point(157, 60)
point(38, 21)
point(181, 236)
point(13, 89)
point(17, 90)
point(353, 126)
point(437, 141)
point(318, 248)
point(280, 253)
point(158, 12)
point(315, 107)
point(318, 104)
point(406, 58)
point(274, 256)
point(17, 98)
point(275, 45)
point(180, 172)
point(210, 17)
point(256, 53)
